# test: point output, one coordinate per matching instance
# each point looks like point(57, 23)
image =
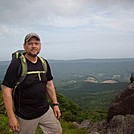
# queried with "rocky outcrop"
point(123, 103)
point(94, 127)
point(121, 125)
point(118, 125)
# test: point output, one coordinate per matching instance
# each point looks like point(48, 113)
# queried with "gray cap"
point(30, 35)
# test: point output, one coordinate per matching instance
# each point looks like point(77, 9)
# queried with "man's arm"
point(7, 96)
point(52, 94)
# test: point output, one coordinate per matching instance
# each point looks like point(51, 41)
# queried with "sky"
point(69, 29)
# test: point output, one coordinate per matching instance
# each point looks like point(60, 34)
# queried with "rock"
point(76, 124)
point(94, 127)
point(123, 103)
point(121, 125)
point(86, 124)
point(92, 132)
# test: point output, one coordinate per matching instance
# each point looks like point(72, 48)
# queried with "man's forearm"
point(7, 96)
point(51, 92)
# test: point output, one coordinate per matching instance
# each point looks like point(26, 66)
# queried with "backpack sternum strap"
point(37, 72)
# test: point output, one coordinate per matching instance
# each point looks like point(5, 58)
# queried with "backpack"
point(23, 67)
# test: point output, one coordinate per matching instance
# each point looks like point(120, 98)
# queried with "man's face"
point(32, 47)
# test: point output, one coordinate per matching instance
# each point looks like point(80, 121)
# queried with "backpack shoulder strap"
point(23, 69)
point(23, 73)
point(17, 54)
point(44, 64)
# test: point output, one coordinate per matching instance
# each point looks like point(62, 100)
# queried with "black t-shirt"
point(30, 99)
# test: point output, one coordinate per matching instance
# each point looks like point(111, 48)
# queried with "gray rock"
point(121, 125)
point(123, 103)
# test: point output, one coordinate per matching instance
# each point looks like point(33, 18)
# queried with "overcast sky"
point(69, 29)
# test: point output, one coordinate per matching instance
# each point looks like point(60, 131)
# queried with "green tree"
point(69, 109)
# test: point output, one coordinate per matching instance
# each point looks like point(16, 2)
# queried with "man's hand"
point(13, 123)
point(57, 112)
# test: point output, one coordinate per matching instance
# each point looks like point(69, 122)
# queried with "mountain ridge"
point(102, 69)
point(85, 60)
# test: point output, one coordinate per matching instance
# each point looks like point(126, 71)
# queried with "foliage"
point(2, 108)
point(96, 96)
point(95, 115)
point(4, 128)
point(70, 128)
point(69, 109)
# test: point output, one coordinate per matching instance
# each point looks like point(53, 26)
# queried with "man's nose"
point(34, 45)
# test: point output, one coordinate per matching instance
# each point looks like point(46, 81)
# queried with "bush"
point(4, 127)
point(70, 128)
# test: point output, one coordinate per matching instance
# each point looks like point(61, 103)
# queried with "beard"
point(33, 54)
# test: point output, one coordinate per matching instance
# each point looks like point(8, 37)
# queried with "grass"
point(4, 128)
point(68, 127)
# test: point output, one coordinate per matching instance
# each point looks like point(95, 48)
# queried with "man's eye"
point(30, 44)
point(35, 43)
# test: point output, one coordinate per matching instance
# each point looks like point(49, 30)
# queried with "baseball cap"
point(30, 35)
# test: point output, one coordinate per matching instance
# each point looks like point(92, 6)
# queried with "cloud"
point(86, 15)
point(68, 23)
point(67, 13)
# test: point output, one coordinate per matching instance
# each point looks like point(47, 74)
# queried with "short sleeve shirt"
point(30, 99)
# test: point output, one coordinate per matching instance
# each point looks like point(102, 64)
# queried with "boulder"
point(123, 103)
point(121, 125)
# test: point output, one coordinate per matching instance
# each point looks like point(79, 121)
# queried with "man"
point(30, 107)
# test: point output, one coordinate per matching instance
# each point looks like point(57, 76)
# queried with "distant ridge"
point(118, 69)
point(4, 62)
point(87, 60)
point(95, 60)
